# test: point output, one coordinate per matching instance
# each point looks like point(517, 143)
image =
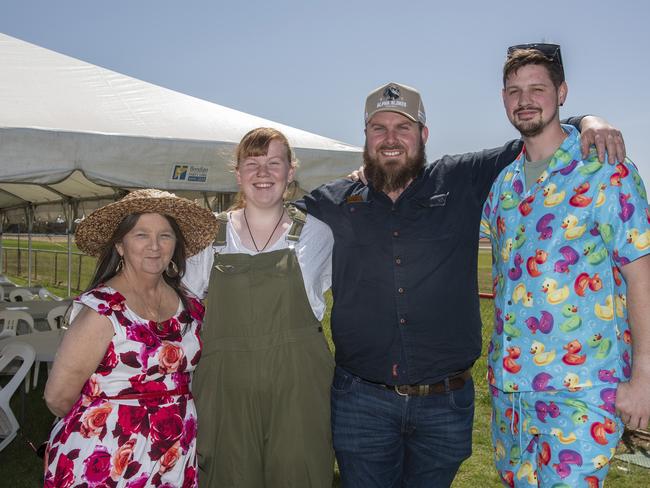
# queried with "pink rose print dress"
point(134, 424)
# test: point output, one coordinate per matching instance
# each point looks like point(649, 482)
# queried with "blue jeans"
point(382, 439)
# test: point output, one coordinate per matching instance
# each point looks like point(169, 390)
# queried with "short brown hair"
point(256, 143)
point(523, 57)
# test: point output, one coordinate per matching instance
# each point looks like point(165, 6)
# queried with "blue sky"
point(311, 64)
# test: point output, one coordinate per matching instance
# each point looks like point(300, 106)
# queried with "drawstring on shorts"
point(520, 423)
point(516, 412)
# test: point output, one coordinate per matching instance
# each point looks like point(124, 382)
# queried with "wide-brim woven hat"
point(198, 224)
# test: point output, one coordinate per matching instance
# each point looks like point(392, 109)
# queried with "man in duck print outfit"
point(405, 319)
point(569, 359)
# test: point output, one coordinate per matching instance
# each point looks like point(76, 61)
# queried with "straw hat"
point(198, 224)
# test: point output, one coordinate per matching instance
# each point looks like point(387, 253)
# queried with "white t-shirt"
point(313, 249)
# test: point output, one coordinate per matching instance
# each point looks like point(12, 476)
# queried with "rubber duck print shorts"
point(555, 438)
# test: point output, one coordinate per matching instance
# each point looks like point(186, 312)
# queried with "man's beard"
point(532, 128)
point(392, 176)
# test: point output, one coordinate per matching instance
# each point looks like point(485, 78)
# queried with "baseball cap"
point(394, 97)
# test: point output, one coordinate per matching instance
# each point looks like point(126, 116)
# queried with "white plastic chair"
point(20, 295)
point(10, 319)
point(44, 294)
point(8, 422)
point(56, 319)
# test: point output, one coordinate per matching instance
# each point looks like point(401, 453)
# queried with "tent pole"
point(2, 224)
point(69, 221)
point(30, 226)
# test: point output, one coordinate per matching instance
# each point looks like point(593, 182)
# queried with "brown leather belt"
point(450, 383)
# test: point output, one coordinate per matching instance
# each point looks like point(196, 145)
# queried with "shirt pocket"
point(434, 218)
point(359, 224)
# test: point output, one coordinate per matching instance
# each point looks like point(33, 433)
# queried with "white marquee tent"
point(69, 129)
point(72, 133)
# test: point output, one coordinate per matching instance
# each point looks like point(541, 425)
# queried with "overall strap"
point(299, 219)
point(220, 240)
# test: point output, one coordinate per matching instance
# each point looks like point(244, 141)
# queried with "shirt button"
point(402, 321)
point(398, 260)
point(508, 338)
point(352, 209)
point(400, 290)
point(395, 233)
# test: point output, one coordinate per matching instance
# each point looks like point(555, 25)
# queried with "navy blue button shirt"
point(406, 308)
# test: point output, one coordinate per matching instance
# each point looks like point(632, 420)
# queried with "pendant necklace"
point(157, 322)
point(272, 232)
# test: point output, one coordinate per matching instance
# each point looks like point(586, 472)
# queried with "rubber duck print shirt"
point(560, 317)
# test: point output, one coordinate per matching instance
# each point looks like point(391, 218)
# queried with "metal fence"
point(48, 267)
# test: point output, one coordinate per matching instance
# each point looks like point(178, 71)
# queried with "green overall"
point(262, 385)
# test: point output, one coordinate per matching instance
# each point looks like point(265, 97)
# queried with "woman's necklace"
point(272, 232)
point(156, 321)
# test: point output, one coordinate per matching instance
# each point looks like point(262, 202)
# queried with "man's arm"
point(311, 203)
point(323, 202)
point(597, 131)
point(633, 397)
point(594, 130)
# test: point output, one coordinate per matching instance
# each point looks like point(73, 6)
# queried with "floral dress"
point(134, 424)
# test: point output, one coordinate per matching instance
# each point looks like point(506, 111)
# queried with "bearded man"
point(405, 321)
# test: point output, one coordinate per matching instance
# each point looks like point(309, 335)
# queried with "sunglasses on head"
point(551, 51)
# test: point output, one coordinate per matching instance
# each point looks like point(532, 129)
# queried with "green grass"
point(49, 266)
point(21, 468)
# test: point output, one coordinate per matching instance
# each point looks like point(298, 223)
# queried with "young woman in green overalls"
point(262, 386)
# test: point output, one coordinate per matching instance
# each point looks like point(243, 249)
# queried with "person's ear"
point(562, 93)
point(425, 134)
point(238, 176)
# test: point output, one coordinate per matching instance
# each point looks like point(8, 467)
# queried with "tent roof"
point(70, 129)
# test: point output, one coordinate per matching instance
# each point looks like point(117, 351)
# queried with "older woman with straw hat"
point(121, 378)
point(262, 389)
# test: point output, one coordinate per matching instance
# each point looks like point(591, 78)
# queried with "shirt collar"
point(568, 152)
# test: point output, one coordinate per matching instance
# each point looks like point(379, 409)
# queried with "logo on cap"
point(391, 92)
point(394, 97)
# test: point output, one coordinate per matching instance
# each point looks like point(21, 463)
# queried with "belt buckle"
point(397, 390)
